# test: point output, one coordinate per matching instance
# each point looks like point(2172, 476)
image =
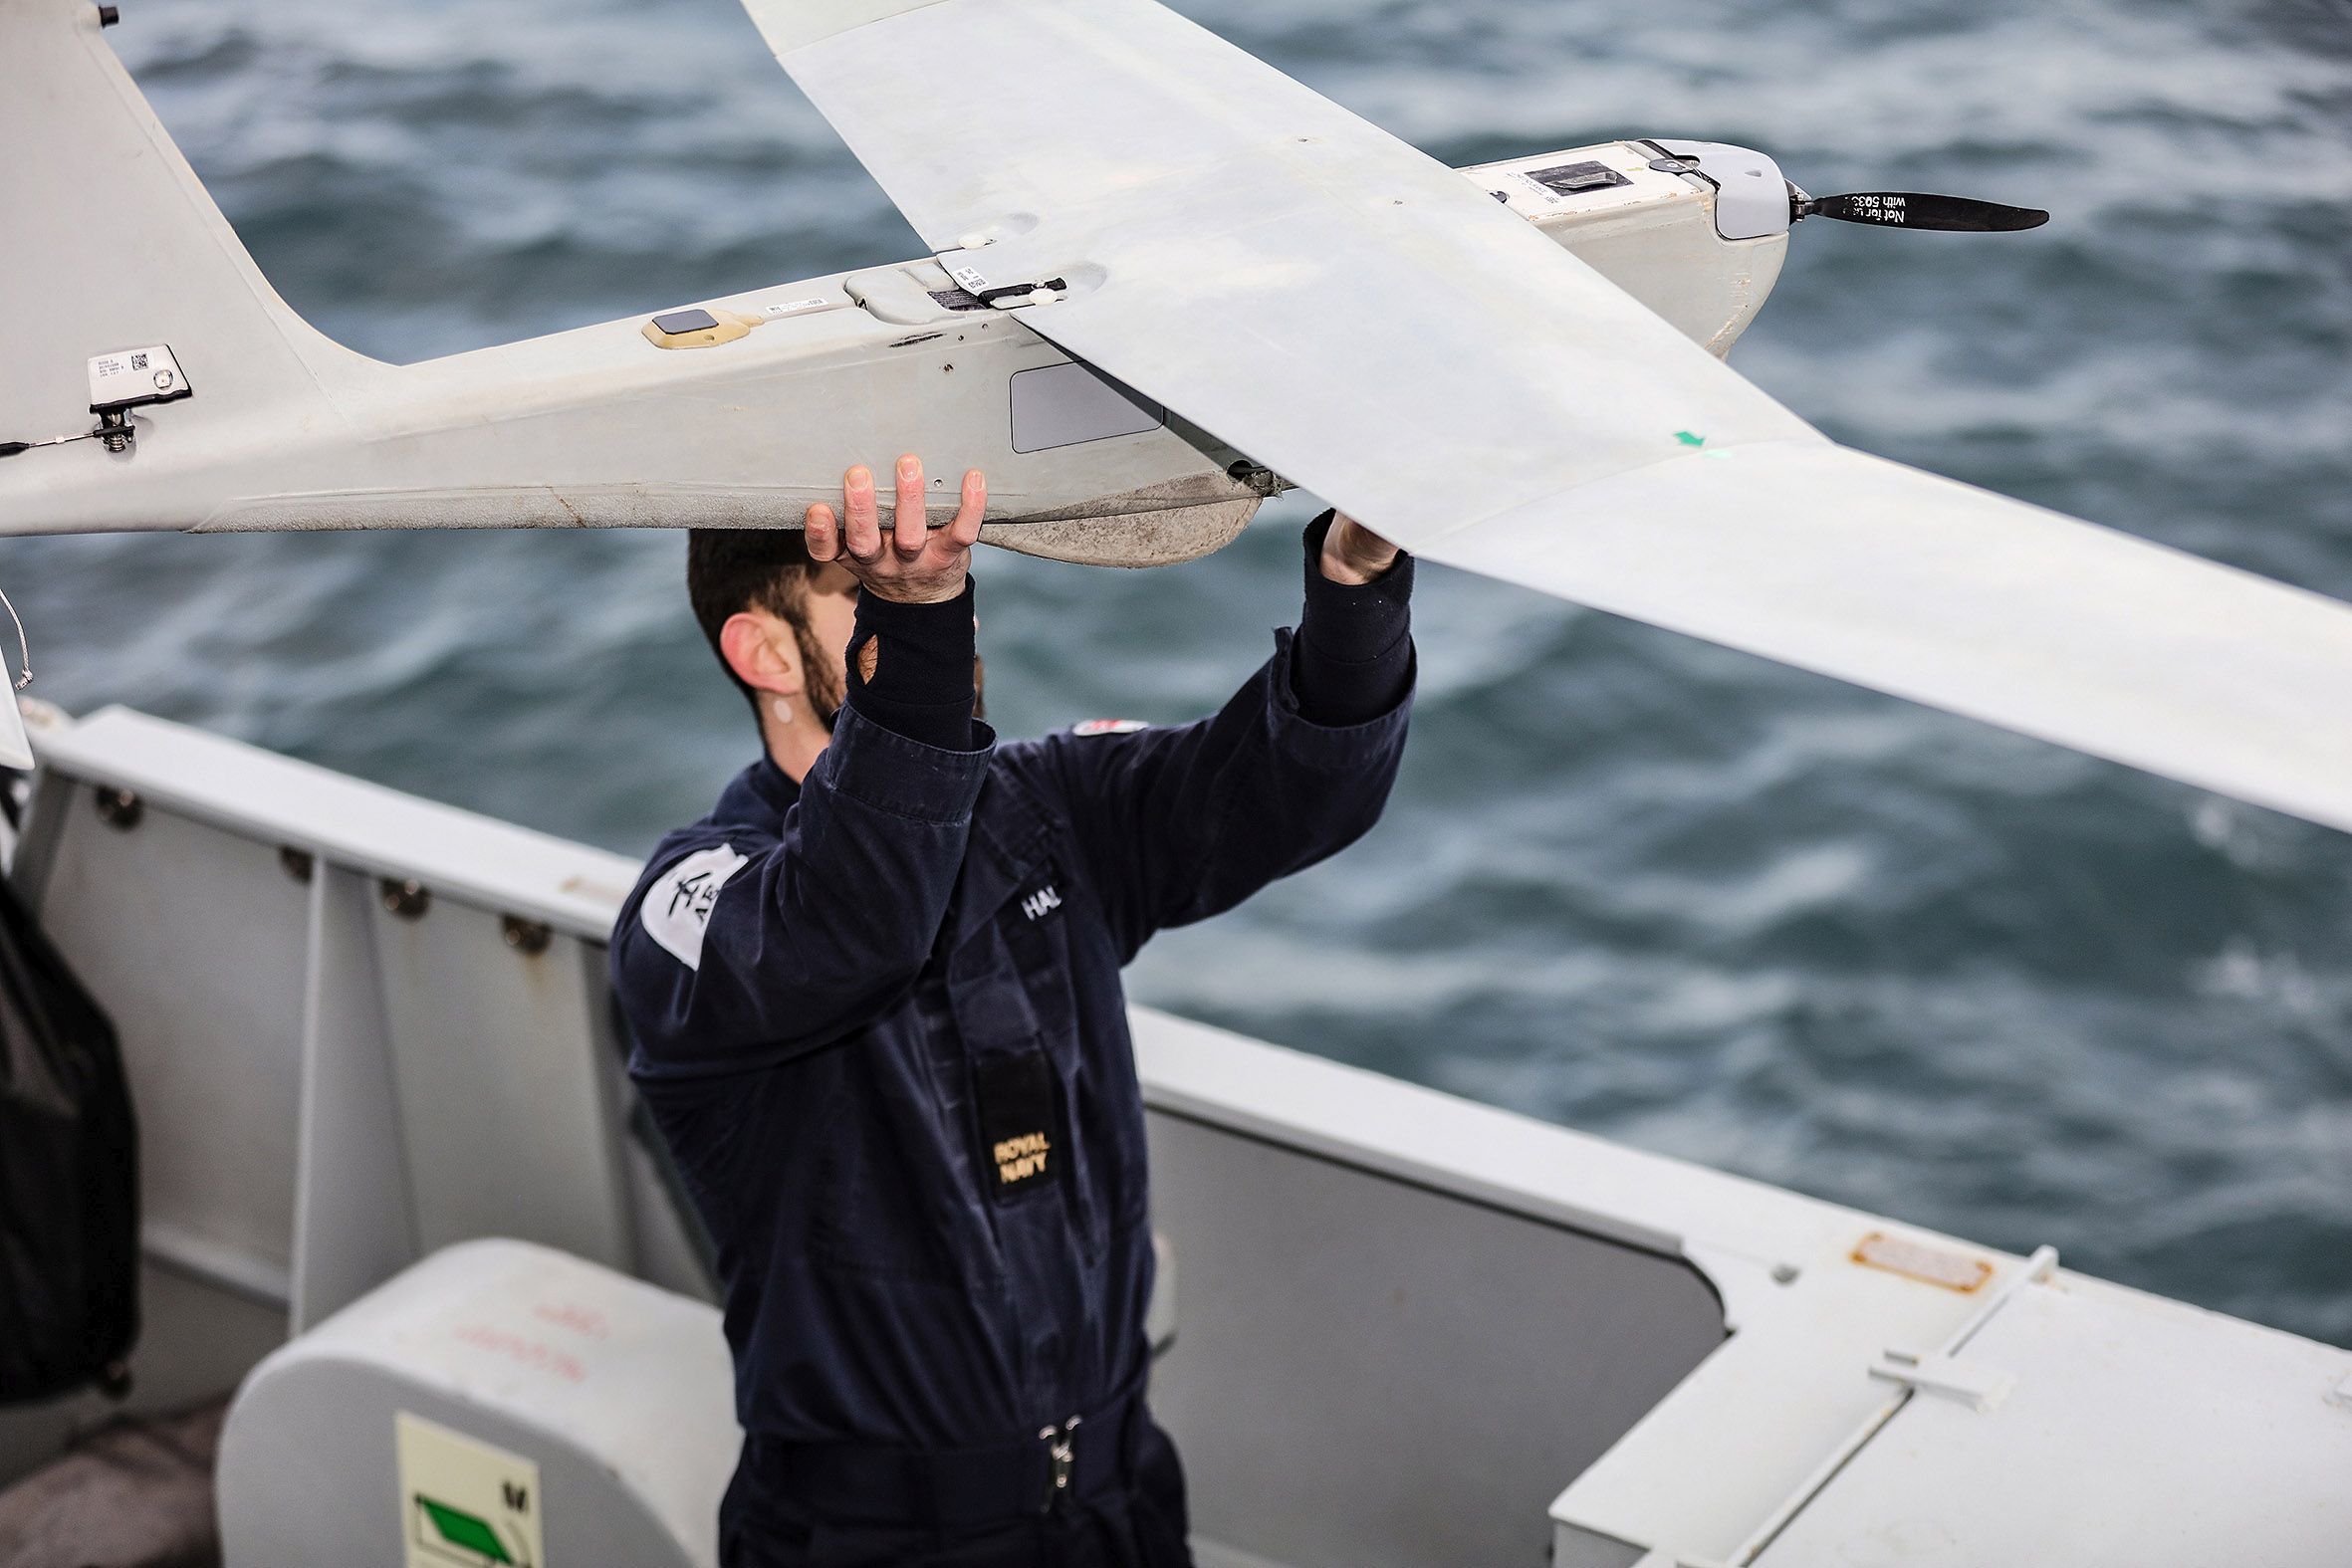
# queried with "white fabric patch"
point(677, 907)
point(1108, 726)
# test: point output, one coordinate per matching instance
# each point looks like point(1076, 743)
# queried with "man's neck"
point(796, 744)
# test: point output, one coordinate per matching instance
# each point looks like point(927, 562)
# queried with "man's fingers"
point(908, 529)
point(819, 533)
point(895, 550)
point(864, 536)
point(964, 531)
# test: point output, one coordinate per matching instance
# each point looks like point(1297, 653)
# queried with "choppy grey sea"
point(1631, 883)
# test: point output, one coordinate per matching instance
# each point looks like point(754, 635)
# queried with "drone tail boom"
point(110, 243)
point(117, 268)
point(112, 251)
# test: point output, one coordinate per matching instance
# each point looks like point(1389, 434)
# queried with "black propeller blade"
point(1911, 209)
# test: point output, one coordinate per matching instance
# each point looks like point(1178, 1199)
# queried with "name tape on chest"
point(677, 909)
point(1020, 1116)
point(1021, 1159)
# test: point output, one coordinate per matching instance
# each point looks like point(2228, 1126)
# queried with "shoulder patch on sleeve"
point(678, 908)
point(1108, 726)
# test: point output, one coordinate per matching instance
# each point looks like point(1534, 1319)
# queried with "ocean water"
point(1631, 883)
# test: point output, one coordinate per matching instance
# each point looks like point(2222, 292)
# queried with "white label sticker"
point(677, 907)
point(969, 276)
point(795, 307)
point(464, 1504)
point(133, 376)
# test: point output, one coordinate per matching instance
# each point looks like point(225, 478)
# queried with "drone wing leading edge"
point(1319, 294)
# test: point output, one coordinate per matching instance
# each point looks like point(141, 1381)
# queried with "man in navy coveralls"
point(876, 1003)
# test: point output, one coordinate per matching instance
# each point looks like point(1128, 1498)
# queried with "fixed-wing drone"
point(1164, 274)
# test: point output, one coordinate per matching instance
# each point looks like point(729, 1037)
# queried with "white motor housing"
point(1656, 220)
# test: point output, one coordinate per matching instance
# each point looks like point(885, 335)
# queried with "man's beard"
point(825, 690)
point(827, 680)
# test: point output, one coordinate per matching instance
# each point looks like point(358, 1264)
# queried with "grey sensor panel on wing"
point(1065, 404)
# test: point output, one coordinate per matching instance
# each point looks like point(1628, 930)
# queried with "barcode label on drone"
point(134, 376)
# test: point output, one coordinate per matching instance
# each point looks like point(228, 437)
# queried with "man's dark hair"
point(729, 569)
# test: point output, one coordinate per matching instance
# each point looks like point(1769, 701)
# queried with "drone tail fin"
point(111, 246)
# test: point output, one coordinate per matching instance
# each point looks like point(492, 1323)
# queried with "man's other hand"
point(1352, 553)
point(910, 562)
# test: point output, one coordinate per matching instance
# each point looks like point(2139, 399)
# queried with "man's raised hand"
point(911, 562)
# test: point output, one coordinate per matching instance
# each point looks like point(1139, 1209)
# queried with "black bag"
point(69, 1178)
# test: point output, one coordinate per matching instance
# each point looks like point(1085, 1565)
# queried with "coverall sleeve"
point(814, 933)
point(1175, 824)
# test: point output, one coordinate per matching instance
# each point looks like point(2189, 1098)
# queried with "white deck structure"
point(1407, 1329)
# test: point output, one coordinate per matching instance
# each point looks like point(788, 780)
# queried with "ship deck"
point(1399, 1327)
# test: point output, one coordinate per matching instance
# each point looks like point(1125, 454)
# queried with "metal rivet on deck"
point(297, 863)
point(408, 899)
point(119, 808)
point(1785, 1273)
point(528, 937)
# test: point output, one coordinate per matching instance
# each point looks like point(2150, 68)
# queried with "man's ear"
point(762, 652)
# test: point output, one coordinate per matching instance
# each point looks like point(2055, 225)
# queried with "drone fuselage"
point(740, 422)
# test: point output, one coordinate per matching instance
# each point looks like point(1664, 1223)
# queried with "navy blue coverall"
point(878, 1022)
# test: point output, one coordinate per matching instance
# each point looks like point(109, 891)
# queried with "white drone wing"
point(1324, 296)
